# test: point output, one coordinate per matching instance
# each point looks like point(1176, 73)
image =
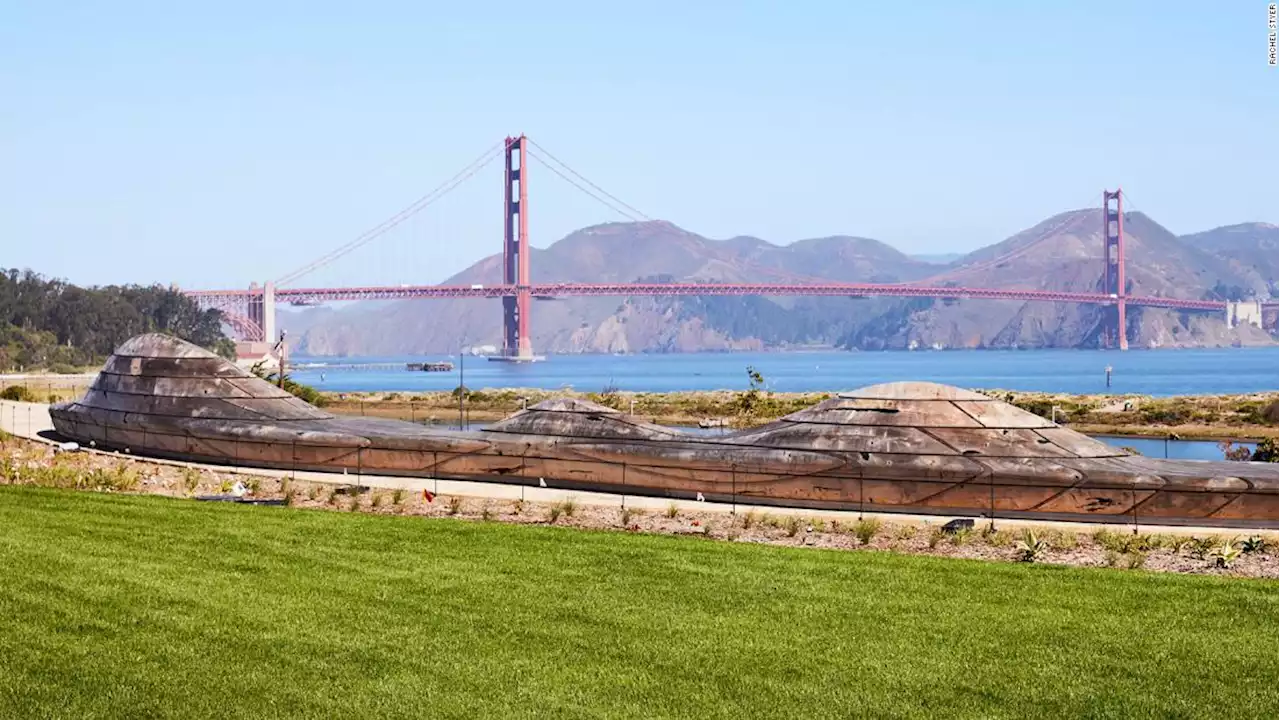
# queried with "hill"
point(1250, 248)
point(627, 252)
point(1062, 253)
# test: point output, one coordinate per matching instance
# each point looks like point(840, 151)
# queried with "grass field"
point(134, 606)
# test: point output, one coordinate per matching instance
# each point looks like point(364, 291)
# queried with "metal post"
point(624, 485)
point(1133, 500)
point(991, 481)
point(293, 459)
point(733, 490)
point(862, 495)
point(359, 468)
point(462, 379)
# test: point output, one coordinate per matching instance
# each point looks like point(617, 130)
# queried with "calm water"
point(1149, 372)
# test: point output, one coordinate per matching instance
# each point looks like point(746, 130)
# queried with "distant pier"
point(364, 367)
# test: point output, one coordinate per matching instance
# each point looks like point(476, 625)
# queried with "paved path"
point(29, 419)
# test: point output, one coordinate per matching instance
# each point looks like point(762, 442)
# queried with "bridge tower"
point(516, 345)
point(262, 310)
point(1113, 275)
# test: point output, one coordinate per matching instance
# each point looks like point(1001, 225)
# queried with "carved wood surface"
point(911, 447)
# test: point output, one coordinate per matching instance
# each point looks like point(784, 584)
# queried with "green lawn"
point(124, 606)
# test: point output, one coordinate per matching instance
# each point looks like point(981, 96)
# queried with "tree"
point(45, 322)
point(750, 401)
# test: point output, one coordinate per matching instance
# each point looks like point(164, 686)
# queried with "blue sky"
point(216, 145)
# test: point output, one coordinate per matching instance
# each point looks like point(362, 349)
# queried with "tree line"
point(50, 323)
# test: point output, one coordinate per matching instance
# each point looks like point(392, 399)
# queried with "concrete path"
point(27, 420)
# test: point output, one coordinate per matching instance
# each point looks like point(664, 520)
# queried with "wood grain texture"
point(910, 447)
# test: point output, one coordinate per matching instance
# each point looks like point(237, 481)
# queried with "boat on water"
point(912, 447)
point(516, 358)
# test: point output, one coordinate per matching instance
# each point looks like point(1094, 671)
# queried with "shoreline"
point(1247, 417)
point(1210, 418)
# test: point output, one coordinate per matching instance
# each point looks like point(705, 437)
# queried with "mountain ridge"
point(1063, 252)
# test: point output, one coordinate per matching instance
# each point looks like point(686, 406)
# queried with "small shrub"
point(1202, 547)
point(961, 536)
point(1000, 538)
point(284, 485)
point(255, 484)
point(1111, 558)
point(625, 516)
point(1224, 554)
point(904, 532)
point(355, 502)
point(749, 518)
point(486, 512)
point(865, 530)
point(553, 513)
point(1111, 540)
point(379, 499)
point(1031, 548)
point(333, 495)
point(454, 504)
point(518, 507)
point(1253, 544)
point(935, 536)
point(1064, 540)
point(792, 525)
point(672, 510)
point(569, 506)
point(313, 492)
point(190, 479)
point(17, 393)
point(290, 498)
point(1237, 453)
point(1268, 449)
point(397, 497)
point(225, 486)
point(1135, 559)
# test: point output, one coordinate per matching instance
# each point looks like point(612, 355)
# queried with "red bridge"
point(251, 312)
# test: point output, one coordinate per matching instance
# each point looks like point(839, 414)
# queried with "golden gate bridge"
point(251, 312)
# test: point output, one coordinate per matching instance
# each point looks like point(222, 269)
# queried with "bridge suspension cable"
point(414, 208)
point(612, 202)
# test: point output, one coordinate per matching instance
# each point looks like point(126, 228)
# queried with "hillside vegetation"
point(52, 324)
